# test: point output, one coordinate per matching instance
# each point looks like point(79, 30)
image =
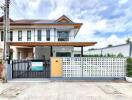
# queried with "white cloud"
point(62, 7)
point(101, 25)
point(122, 1)
point(110, 16)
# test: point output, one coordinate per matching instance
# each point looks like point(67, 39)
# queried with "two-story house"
point(39, 39)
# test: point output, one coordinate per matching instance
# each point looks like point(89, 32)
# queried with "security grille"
point(94, 67)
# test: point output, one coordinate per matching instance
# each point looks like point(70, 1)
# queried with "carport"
point(51, 44)
point(24, 68)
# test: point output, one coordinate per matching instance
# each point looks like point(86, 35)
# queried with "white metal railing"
point(94, 67)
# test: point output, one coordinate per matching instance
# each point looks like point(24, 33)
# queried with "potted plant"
point(1, 68)
point(129, 70)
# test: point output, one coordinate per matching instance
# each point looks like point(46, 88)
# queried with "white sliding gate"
point(94, 67)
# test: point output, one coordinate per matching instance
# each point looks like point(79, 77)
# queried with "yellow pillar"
point(56, 67)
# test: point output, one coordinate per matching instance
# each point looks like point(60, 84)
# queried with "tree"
point(128, 41)
point(110, 45)
point(120, 55)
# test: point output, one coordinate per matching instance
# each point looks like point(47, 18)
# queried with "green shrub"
point(120, 55)
point(129, 67)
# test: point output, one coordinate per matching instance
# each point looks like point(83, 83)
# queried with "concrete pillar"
point(34, 54)
point(14, 52)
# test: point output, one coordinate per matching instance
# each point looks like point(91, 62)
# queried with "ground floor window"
point(63, 54)
point(77, 55)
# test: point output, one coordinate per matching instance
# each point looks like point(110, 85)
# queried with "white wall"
point(53, 33)
point(53, 38)
point(24, 35)
point(123, 49)
point(94, 52)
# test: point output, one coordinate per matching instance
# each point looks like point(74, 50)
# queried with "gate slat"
point(22, 69)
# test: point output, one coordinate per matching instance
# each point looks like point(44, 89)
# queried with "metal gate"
point(94, 67)
point(23, 69)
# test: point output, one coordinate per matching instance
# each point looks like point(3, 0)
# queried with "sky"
point(104, 21)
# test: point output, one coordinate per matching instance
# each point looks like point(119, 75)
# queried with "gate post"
point(12, 68)
point(56, 67)
point(82, 65)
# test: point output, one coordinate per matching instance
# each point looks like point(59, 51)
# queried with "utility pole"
point(6, 30)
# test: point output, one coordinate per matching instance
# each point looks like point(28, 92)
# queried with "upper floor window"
point(2, 36)
point(11, 36)
point(48, 35)
point(28, 35)
point(63, 36)
point(19, 35)
point(39, 35)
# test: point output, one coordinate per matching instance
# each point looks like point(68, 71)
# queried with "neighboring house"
point(124, 49)
point(42, 39)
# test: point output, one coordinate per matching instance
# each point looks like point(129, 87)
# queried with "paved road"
point(66, 91)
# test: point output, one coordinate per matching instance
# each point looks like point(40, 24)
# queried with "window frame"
point(39, 35)
point(61, 37)
point(48, 35)
point(29, 35)
point(19, 35)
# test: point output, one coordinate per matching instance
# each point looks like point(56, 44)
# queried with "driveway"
point(66, 91)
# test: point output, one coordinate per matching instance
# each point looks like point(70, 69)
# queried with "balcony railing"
point(63, 39)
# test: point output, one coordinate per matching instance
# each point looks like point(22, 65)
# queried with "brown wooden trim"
point(32, 44)
point(63, 17)
point(76, 25)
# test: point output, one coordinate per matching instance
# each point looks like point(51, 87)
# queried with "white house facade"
point(41, 39)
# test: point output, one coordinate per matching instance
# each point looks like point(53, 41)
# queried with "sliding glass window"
point(39, 35)
point(28, 35)
point(48, 35)
point(19, 35)
point(63, 36)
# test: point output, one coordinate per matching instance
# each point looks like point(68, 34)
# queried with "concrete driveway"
point(66, 91)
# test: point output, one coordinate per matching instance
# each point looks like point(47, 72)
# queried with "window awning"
point(32, 44)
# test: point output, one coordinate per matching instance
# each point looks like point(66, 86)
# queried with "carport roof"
point(32, 44)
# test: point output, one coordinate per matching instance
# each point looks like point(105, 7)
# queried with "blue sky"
point(104, 21)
